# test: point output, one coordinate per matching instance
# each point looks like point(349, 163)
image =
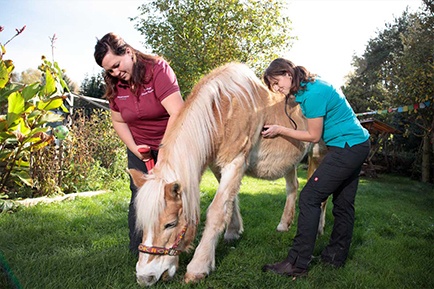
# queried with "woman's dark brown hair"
point(115, 44)
point(281, 66)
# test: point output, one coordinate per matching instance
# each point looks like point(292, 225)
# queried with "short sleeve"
point(113, 106)
point(315, 105)
point(165, 82)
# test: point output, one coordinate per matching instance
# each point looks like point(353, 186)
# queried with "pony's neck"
point(185, 152)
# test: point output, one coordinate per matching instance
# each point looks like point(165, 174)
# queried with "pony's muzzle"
point(147, 280)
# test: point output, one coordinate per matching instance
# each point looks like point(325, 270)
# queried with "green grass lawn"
point(83, 243)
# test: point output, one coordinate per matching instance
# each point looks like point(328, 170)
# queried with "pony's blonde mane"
point(189, 144)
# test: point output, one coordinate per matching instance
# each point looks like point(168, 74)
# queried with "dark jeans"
point(135, 235)
point(337, 175)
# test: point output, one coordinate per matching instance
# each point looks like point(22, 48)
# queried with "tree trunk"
point(432, 153)
point(426, 165)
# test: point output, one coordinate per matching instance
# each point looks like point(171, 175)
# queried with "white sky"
point(329, 32)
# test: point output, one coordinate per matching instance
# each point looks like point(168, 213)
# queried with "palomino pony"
point(220, 126)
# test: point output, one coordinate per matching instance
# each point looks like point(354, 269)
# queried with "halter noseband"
point(172, 251)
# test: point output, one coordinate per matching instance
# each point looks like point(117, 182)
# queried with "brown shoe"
point(285, 268)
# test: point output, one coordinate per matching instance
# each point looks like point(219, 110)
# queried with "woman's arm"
point(173, 104)
point(124, 133)
point(312, 134)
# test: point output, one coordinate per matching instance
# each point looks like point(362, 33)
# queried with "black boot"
point(285, 268)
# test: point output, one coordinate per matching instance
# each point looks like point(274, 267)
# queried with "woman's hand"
point(270, 131)
point(313, 132)
point(143, 152)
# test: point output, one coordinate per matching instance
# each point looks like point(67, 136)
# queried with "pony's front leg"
point(218, 215)
point(291, 196)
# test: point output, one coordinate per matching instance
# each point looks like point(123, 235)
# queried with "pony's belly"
point(273, 167)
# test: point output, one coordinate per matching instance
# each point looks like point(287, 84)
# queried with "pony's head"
point(166, 230)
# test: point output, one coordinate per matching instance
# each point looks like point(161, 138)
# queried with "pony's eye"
point(171, 225)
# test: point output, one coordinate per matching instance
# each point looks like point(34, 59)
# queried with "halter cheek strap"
point(172, 251)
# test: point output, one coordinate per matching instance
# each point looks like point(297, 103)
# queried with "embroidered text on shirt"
point(147, 90)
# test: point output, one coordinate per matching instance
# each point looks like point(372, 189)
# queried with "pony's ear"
point(138, 177)
point(173, 192)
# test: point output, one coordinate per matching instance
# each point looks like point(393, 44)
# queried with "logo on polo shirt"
point(122, 97)
point(147, 90)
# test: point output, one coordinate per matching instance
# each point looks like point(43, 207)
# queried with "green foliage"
point(90, 158)
point(397, 65)
point(414, 78)
point(93, 153)
point(26, 110)
point(197, 35)
point(372, 86)
point(32, 163)
point(414, 69)
point(93, 86)
point(396, 70)
point(86, 160)
point(7, 205)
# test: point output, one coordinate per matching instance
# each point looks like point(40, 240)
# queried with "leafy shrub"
point(87, 159)
point(93, 153)
point(32, 162)
point(25, 111)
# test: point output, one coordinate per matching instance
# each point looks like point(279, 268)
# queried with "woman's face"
point(281, 83)
point(119, 66)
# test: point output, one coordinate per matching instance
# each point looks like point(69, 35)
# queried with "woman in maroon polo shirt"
point(144, 100)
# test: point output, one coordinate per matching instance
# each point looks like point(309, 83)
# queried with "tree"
point(413, 75)
point(396, 70)
point(30, 76)
point(371, 86)
point(93, 86)
point(199, 35)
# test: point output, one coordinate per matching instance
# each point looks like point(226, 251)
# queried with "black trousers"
point(135, 235)
point(337, 175)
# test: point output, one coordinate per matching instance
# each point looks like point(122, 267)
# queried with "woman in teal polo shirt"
point(331, 118)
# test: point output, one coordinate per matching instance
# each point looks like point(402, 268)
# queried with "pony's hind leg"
point(316, 154)
point(219, 214)
point(235, 227)
point(289, 210)
point(322, 217)
point(291, 197)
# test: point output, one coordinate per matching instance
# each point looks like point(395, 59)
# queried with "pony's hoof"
point(193, 278)
point(231, 237)
point(282, 228)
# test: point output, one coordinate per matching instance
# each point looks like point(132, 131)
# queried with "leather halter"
point(172, 251)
